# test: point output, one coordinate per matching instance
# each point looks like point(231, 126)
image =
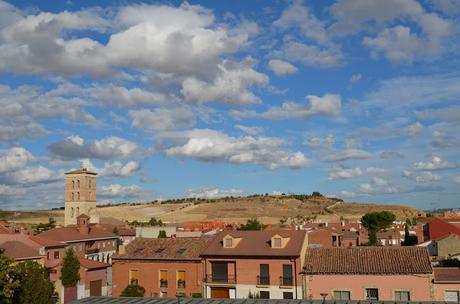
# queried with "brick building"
point(165, 267)
point(266, 264)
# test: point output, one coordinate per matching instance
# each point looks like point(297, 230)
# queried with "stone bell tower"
point(80, 196)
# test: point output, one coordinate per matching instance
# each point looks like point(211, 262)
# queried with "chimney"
point(83, 224)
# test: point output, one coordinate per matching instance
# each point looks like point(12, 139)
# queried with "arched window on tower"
point(78, 196)
point(73, 196)
point(71, 212)
point(78, 183)
point(73, 184)
point(78, 211)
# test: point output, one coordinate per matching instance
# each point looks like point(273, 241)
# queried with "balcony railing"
point(163, 283)
point(286, 281)
point(263, 280)
point(91, 250)
point(181, 284)
point(229, 279)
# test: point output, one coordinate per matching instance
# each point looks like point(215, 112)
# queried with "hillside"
point(268, 209)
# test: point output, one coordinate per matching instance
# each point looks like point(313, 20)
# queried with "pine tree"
point(36, 286)
point(70, 272)
point(8, 282)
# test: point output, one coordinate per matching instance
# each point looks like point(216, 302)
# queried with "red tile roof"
point(183, 248)
point(446, 275)
point(367, 260)
point(257, 243)
point(438, 228)
point(71, 233)
point(92, 265)
point(46, 242)
point(19, 250)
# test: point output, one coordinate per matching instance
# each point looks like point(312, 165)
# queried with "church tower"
point(80, 196)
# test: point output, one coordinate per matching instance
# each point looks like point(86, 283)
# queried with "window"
point(288, 295)
point(264, 275)
point(73, 184)
point(71, 212)
point(78, 213)
point(451, 296)
point(134, 276)
point(78, 195)
point(163, 278)
point(287, 280)
point(342, 295)
point(228, 243)
point(402, 295)
point(78, 184)
point(73, 196)
point(263, 294)
point(56, 255)
point(277, 242)
point(181, 279)
point(372, 294)
point(89, 184)
point(48, 255)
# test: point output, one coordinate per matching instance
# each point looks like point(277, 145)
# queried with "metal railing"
point(263, 280)
point(286, 281)
point(229, 279)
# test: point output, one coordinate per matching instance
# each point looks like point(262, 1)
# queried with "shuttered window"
point(134, 276)
point(402, 296)
point(181, 279)
point(163, 278)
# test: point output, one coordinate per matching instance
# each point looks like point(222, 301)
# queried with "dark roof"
point(119, 300)
point(71, 233)
point(367, 260)
point(186, 248)
point(92, 265)
point(257, 243)
point(350, 235)
point(79, 171)
point(446, 275)
point(19, 250)
point(46, 242)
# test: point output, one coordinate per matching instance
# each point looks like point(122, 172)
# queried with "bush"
point(133, 290)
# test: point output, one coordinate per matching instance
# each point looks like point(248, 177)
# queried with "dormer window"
point(228, 243)
point(277, 242)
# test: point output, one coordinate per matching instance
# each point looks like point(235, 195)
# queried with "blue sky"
point(355, 99)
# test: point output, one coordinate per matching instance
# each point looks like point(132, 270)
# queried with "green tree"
point(115, 230)
point(70, 272)
point(8, 281)
point(252, 224)
point(162, 234)
point(36, 286)
point(375, 222)
point(133, 290)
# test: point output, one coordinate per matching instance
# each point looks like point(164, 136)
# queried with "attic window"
point(228, 243)
point(277, 242)
point(181, 250)
point(159, 250)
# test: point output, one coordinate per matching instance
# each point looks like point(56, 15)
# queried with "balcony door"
point(264, 276)
point(219, 272)
point(287, 279)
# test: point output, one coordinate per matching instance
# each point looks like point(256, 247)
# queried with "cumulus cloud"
point(114, 169)
point(213, 193)
point(346, 155)
point(436, 163)
point(215, 146)
point(316, 142)
point(14, 159)
point(280, 67)
point(341, 172)
point(391, 155)
point(162, 118)
point(111, 147)
point(327, 105)
point(378, 181)
point(250, 130)
point(310, 54)
point(115, 191)
point(376, 170)
point(414, 129)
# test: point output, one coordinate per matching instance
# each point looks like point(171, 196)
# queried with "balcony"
point(181, 284)
point(163, 283)
point(263, 280)
point(286, 281)
point(91, 250)
point(221, 279)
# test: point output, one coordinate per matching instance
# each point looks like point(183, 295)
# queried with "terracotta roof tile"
point(68, 234)
point(257, 243)
point(367, 260)
point(446, 275)
point(19, 250)
point(46, 242)
point(186, 248)
point(91, 265)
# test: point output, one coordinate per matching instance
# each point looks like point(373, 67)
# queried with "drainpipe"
point(295, 278)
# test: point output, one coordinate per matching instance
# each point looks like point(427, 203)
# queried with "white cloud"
point(366, 188)
point(111, 147)
point(436, 163)
point(250, 130)
point(422, 177)
point(448, 7)
point(114, 169)
point(162, 118)
point(355, 78)
point(214, 146)
point(280, 67)
point(346, 155)
point(327, 105)
point(229, 86)
point(14, 159)
point(378, 181)
point(115, 191)
point(212, 193)
point(10, 191)
point(449, 114)
point(457, 179)
point(116, 95)
point(310, 54)
point(375, 170)
point(391, 155)
point(340, 172)
point(316, 142)
point(414, 129)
